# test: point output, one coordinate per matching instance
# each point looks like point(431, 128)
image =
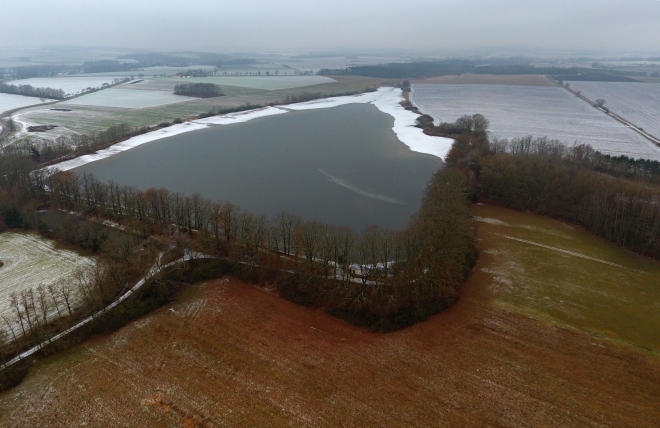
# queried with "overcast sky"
point(437, 25)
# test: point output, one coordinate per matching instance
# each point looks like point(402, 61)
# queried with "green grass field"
point(558, 272)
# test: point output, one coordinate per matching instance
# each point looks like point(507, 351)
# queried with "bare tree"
point(53, 296)
point(15, 306)
point(480, 123)
point(43, 303)
point(229, 214)
point(8, 324)
point(287, 224)
point(63, 289)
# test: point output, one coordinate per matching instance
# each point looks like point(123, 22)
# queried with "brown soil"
point(229, 353)
point(489, 79)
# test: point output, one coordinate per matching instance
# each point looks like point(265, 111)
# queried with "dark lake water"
point(341, 165)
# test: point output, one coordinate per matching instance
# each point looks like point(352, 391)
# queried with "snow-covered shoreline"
point(385, 99)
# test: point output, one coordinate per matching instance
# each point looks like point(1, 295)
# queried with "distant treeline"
point(105, 66)
point(139, 62)
point(420, 69)
point(614, 197)
point(31, 91)
point(26, 72)
point(201, 90)
point(196, 58)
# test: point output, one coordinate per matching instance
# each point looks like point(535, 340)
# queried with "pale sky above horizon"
point(262, 25)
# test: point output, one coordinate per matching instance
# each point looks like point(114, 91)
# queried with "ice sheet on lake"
point(354, 188)
point(518, 111)
point(385, 99)
point(127, 145)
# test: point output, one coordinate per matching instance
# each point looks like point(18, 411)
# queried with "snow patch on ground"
point(11, 101)
point(30, 260)
point(127, 98)
point(518, 111)
point(240, 117)
point(385, 99)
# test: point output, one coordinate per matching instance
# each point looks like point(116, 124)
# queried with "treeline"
point(105, 66)
point(195, 58)
point(31, 91)
point(379, 279)
point(615, 198)
point(200, 90)
point(28, 152)
point(464, 124)
point(139, 61)
point(28, 71)
point(421, 69)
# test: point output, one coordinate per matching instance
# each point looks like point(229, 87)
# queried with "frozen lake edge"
point(386, 99)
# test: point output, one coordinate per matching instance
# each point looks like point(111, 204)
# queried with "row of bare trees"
point(36, 312)
point(616, 198)
point(378, 271)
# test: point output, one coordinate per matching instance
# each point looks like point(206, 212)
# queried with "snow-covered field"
point(11, 101)
point(69, 84)
point(639, 103)
point(385, 99)
point(127, 98)
point(517, 111)
point(30, 260)
point(269, 83)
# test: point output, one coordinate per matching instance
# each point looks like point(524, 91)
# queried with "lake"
point(342, 165)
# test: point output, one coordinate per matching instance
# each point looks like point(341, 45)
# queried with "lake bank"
point(386, 99)
point(343, 165)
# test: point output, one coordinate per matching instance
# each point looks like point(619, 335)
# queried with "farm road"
point(655, 140)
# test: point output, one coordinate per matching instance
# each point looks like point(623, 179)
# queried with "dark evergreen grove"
point(201, 90)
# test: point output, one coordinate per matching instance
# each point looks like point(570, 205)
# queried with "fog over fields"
point(391, 24)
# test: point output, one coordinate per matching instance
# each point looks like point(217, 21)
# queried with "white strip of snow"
point(127, 145)
point(405, 129)
point(385, 99)
point(243, 116)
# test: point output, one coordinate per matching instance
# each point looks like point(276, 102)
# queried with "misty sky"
point(437, 25)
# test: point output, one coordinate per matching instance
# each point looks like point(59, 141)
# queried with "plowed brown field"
point(229, 353)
